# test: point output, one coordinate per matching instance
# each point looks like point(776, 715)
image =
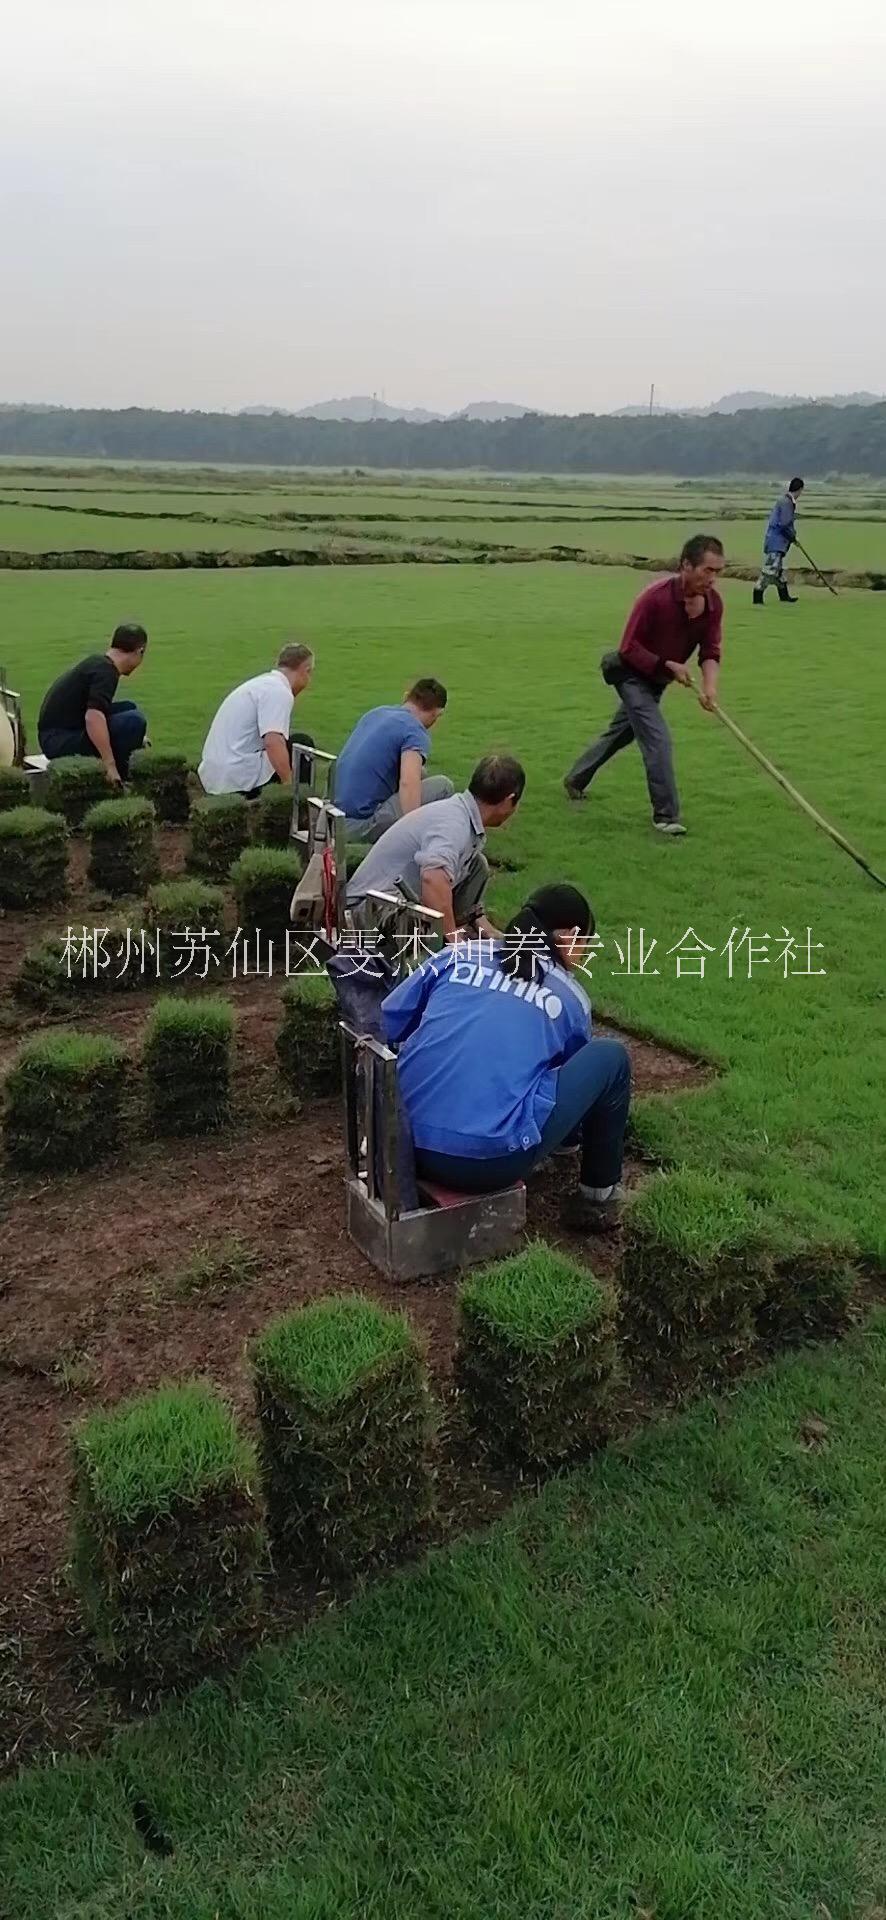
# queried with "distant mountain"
point(361, 407)
point(741, 402)
point(752, 402)
point(491, 410)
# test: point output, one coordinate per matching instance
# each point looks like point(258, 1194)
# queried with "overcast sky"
point(214, 203)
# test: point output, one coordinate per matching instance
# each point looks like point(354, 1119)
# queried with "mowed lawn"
point(797, 1108)
point(658, 1689)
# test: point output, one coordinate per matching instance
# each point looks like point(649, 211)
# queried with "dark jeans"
point(127, 727)
point(593, 1098)
point(302, 739)
point(637, 717)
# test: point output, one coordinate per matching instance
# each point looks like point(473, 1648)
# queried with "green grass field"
point(518, 649)
point(656, 1689)
point(42, 510)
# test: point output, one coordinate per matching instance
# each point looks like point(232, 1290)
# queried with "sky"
point(221, 203)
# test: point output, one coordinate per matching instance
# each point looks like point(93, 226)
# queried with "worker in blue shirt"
point(778, 540)
point(497, 1068)
point(380, 771)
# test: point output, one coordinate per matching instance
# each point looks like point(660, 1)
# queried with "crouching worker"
point(380, 771)
point(434, 855)
point(250, 741)
point(80, 715)
point(497, 1067)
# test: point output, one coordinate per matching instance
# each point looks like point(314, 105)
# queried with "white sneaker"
point(673, 827)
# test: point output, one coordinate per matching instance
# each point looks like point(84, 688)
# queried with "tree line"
point(812, 440)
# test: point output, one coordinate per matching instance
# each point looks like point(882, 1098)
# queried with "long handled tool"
point(835, 835)
point(822, 577)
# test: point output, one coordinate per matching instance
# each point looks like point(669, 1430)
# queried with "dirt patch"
point(90, 1311)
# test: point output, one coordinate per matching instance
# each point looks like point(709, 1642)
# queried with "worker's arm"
point(277, 750)
point(403, 1009)
point(97, 730)
point(709, 655)
point(710, 674)
point(409, 790)
point(436, 892)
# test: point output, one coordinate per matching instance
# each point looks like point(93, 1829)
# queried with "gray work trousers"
point(434, 786)
point(637, 717)
point(467, 895)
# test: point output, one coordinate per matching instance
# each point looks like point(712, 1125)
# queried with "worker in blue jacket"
point(780, 536)
point(497, 1067)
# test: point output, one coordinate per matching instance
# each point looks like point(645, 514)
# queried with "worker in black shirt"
point(80, 715)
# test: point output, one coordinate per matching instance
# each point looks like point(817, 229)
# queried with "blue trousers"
point(127, 727)
point(593, 1099)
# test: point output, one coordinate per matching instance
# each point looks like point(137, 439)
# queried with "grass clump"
point(167, 1536)
point(121, 845)
point(219, 833)
point(178, 908)
point(33, 858)
point(264, 880)
point(115, 958)
point(273, 816)
point(15, 788)
point(694, 1270)
point(342, 1400)
point(308, 1043)
point(63, 1100)
point(215, 1270)
point(536, 1355)
point(75, 784)
point(809, 1294)
point(187, 1061)
point(162, 778)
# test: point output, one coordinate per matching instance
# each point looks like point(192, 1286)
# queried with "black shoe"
point(580, 1214)
point(758, 596)
point(571, 792)
point(789, 598)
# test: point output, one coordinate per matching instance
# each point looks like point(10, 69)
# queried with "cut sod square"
point(63, 1100)
point(167, 1536)
point(75, 784)
point(187, 1062)
point(186, 918)
point(264, 880)
point(15, 788)
point(33, 858)
point(273, 816)
point(343, 1406)
point(162, 778)
point(809, 1294)
point(308, 1043)
point(122, 859)
point(694, 1269)
point(536, 1355)
point(219, 833)
point(113, 958)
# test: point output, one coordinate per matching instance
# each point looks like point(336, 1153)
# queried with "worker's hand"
point(112, 775)
point(680, 671)
point(708, 701)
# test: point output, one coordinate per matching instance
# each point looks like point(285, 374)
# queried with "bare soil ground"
point(91, 1310)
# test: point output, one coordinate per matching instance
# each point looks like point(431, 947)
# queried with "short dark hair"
point(294, 655)
point(796, 485)
point(496, 777)
point(694, 550)
point(130, 638)
point(429, 694)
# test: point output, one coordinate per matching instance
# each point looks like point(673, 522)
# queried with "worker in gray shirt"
point(435, 854)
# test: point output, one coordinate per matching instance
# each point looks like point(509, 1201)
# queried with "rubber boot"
point(758, 596)
point(785, 594)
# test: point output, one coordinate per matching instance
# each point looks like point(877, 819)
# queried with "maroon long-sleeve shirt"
point(659, 629)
